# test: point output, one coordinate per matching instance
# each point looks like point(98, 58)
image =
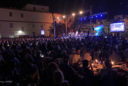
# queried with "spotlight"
point(64, 16)
point(81, 12)
point(101, 15)
point(58, 18)
point(73, 14)
point(84, 18)
point(112, 62)
point(91, 17)
point(81, 19)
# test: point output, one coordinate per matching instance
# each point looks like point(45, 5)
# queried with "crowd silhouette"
point(61, 62)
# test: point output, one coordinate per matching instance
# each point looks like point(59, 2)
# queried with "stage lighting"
point(81, 19)
point(101, 15)
point(42, 32)
point(112, 62)
point(84, 18)
point(58, 18)
point(64, 16)
point(73, 14)
point(91, 17)
point(98, 30)
point(81, 12)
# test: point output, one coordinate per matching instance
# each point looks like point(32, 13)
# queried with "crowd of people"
point(61, 62)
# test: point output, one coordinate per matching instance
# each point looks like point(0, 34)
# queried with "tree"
point(60, 29)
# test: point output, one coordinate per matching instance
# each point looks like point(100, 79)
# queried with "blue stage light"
point(91, 17)
point(84, 18)
point(101, 15)
point(81, 19)
point(97, 34)
point(98, 30)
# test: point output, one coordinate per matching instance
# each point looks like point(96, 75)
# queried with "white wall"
point(31, 22)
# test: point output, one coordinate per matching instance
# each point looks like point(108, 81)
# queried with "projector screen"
point(117, 27)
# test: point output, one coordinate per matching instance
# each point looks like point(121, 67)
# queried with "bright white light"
point(96, 60)
point(76, 33)
point(73, 14)
point(64, 16)
point(81, 12)
point(117, 27)
point(20, 32)
point(112, 62)
point(42, 32)
point(41, 55)
point(58, 18)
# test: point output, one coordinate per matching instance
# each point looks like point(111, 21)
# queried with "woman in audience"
point(32, 61)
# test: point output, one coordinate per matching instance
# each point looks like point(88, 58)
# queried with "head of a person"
point(65, 84)
point(58, 77)
point(78, 51)
point(85, 63)
point(108, 65)
point(73, 51)
point(53, 67)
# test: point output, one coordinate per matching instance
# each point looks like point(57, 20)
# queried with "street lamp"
point(81, 12)
point(73, 14)
point(64, 16)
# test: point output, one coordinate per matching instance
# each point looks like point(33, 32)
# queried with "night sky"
point(68, 6)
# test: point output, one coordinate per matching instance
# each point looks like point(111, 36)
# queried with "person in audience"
point(108, 76)
point(32, 61)
point(87, 73)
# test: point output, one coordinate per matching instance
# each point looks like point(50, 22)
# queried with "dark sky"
point(68, 6)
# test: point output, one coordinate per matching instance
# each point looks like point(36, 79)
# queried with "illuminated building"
point(28, 21)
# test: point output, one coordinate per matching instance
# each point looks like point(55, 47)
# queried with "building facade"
point(30, 21)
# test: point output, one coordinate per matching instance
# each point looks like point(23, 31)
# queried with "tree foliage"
point(60, 29)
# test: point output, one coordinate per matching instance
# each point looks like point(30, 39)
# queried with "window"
point(21, 15)
point(42, 8)
point(11, 25)
point(34, 8)
point(22, 28)
point(41, 26)
point(10, 14)
point(33, 25)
